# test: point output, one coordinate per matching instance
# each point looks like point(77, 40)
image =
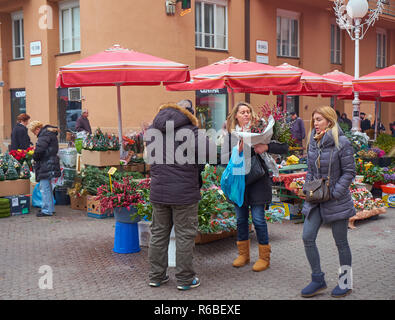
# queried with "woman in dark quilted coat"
point(47, 165)
point(328, 144)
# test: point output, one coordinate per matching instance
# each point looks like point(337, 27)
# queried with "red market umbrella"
point(381, 82)
point(240, 76)
point(312, 84)
point(344, 78)
point(118, 67)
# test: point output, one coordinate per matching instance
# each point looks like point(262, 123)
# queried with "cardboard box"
point(93, 209)
point(78, 203)
point(14, 187)
point(289, 211)
point(100, 158)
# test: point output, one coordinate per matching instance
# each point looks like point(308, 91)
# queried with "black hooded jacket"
point(47, 164)
point(172, 181)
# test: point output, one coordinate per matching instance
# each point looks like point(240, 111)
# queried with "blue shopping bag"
point(37, 198)
point(233, 178)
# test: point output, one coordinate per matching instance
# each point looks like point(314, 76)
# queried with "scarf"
point(318, 137)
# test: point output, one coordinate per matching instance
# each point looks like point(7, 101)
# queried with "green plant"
point(385, 142)
point(373, 174)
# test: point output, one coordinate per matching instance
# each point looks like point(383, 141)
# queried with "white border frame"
point(382, 32)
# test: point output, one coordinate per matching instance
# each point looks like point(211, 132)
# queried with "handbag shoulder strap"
point(330, 164)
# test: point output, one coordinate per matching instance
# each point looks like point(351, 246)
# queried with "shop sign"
point(20, 94)
point(262, 46)
point(35, 48)
point(211, 91)
point(36, 61)
point(262, 59)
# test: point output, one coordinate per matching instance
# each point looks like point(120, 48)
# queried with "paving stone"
point(79, 250)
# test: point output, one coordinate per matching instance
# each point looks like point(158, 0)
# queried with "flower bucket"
point(122, 214)
point(126, 238)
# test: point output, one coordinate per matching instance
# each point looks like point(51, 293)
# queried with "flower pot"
point(122, 214)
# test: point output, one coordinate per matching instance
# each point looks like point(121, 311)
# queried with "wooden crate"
point(202, 238)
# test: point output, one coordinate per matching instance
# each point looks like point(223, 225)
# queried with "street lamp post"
point(351, 18)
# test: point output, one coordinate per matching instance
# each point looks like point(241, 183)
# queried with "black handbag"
point(257, 170)
point(317, 190)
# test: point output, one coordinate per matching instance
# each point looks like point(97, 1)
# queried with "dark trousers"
point(185, 220)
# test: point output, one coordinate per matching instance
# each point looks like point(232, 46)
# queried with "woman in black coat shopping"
point(330, 153)
point(19, 137)
point(257, 195)
point(46, 163)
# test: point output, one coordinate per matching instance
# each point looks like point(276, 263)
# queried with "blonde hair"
point(34, 125)
point(231, 120)
point(330, 115)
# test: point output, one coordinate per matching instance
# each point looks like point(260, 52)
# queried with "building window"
point(381, 55)
point(336, 37)
point(211, 24)
point(18, 104)
point(18, 46)
point(211, 108)
point(69, 25)
point(287, 33)
point(292, 103)
point(69, 110)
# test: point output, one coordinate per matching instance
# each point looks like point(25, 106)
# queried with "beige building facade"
point(39, 36)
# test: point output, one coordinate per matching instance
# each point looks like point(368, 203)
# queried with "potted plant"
point(121, 198)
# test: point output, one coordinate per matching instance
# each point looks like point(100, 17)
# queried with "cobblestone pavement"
point(79, 251)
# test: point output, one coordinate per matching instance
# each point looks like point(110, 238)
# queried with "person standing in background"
point(82, 123)
point(19, 137)
point(297, 129)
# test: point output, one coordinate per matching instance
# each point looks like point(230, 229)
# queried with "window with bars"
point(287, 33)
point(381, 54)
point(18, 46)
point(211, 24)
point(336, 37)
point(69, 22)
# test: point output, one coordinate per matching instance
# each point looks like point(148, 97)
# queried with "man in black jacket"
point(173, 151)
point(47, 164)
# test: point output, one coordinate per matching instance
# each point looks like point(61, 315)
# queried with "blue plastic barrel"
point(126, 238)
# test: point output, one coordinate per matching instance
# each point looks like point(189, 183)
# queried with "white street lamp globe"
point(357, 9)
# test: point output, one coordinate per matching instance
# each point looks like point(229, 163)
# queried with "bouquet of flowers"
point(23, 155)
point(100, 141)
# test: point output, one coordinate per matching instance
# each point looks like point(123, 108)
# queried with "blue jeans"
point(258, 219)
point(339, 231)
point(47, 206)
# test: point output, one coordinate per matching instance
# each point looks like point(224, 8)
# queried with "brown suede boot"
point(244, 253)
point(264, 258)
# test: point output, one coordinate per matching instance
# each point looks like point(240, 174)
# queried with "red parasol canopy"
point(240, 76)
point(380, 83)
point(344, 78)
point(117, 66)
point(313, 83)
